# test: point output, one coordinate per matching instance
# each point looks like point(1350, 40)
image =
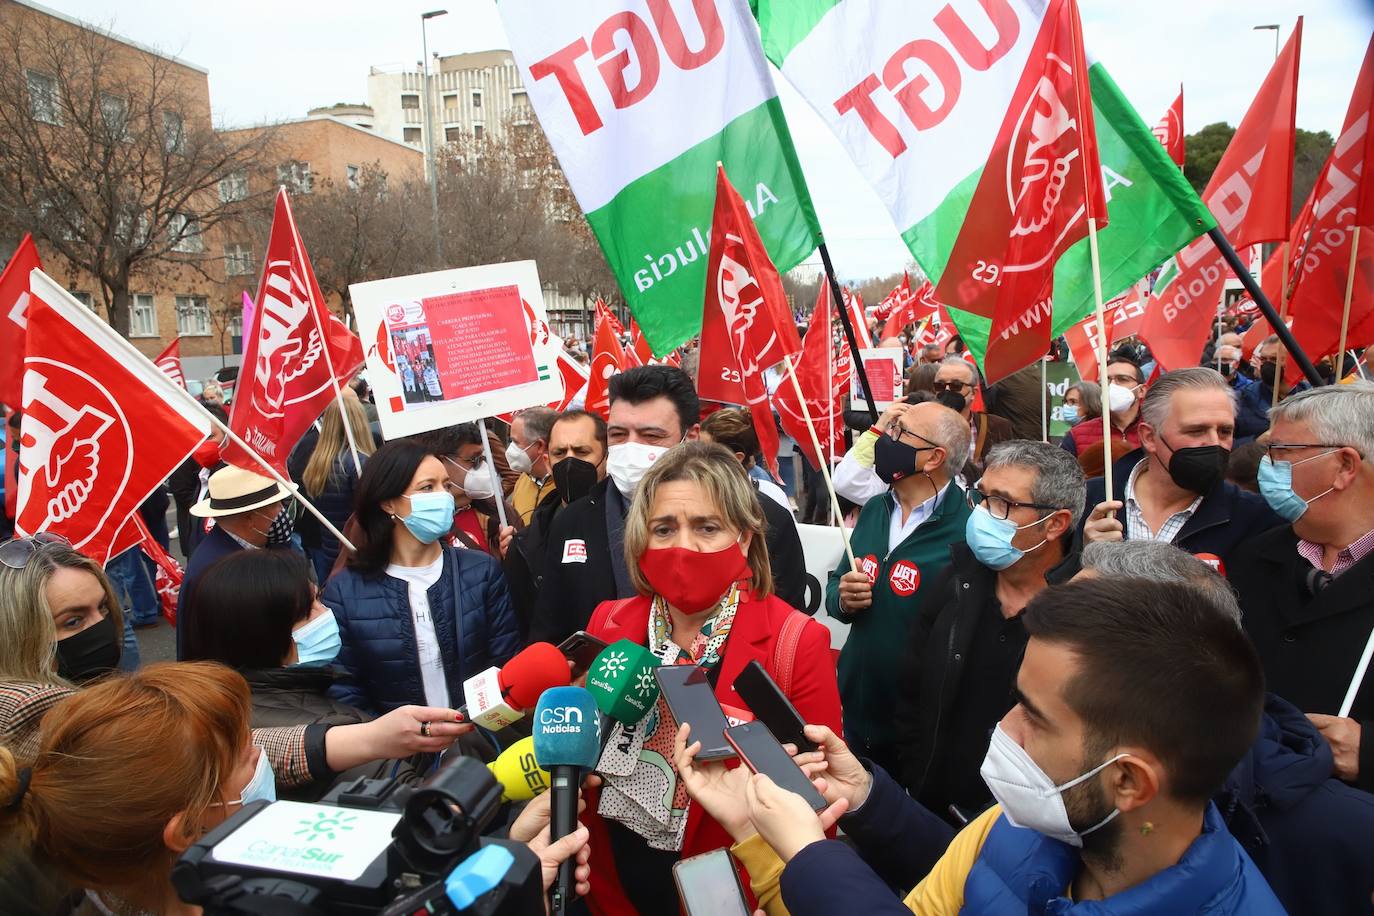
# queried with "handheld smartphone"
point(581, 649)
point(709, 885)
point(770, 706)
point(691, 700)
point(762, 753)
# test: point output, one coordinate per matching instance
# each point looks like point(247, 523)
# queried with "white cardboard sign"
point(884, 368)
point(455, 345)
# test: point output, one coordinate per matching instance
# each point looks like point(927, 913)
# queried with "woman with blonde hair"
point(695, 550)
point(329, 478)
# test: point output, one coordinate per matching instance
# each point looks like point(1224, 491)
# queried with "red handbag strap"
point(785, 649)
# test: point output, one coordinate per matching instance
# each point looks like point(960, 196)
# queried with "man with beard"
point(1133, 705)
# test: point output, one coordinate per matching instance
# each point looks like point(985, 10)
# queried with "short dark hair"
point(386, 475)
point(644, 383)
point(1122, 356)
point(577, 414)
point(244, 606)
point(446, 440)
point(1154, 671)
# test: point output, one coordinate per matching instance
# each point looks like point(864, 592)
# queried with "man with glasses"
point(1307, 588)
point(956, 386)
point(1122, 398)
point(965, 648)
point(901, 544)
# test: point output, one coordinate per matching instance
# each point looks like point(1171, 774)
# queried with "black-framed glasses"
point(1285, 446)
point(469, 464)
point(956, 387)
point(16, 552)
point(897, 431)
point(999, 507)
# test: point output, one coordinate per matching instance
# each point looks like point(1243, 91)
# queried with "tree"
point(104, 157)
point(1204, 149)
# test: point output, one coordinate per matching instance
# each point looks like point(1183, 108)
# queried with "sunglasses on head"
point(16, 552)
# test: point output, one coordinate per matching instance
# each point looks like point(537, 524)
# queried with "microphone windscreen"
point(533, 670)
point(567, 729)
point(519, 774)
point(622, 681)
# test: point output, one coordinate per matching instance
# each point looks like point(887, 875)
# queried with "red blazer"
point(814, 692)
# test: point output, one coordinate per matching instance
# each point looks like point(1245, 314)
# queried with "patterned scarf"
point(641, 787)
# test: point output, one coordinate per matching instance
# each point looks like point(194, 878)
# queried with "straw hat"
point(233, 491)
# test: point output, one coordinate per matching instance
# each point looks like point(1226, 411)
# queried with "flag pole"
point(1345, 318)
point(830, 393)
point(1358, 679)
point(1044, 403)
point(1283, 317)
point(820, 459)
point(857, 363)
point(500, 490)
point(1101, 359)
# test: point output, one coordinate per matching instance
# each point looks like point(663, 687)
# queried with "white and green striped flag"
point(916, 92)
point(640, 99)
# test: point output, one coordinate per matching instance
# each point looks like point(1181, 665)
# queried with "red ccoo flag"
point(1169, 130)
point(102, 427)
point(608, 359)
point(746, 325)
point(1041, 184)
point(169, 361)
point(823, 381)
point(294, 354)
point(1249, 194)
point(14, 301)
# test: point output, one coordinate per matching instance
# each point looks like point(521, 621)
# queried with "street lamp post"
point(427, 114)
point(1276, 30)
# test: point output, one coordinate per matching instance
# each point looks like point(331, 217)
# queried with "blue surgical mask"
point(263, 785)
point(317, 643)
point(1276, 486)
point(990, 539)
point(431, 515)
point(1069, 413)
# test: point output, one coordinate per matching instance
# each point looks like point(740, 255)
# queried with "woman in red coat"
point(694, 547)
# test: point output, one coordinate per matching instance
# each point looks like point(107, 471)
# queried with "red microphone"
point(499, 696)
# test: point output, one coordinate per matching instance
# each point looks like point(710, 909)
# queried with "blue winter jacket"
point(378, 656)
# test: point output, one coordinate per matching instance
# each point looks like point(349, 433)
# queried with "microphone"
point(518, 772)
point(567, 740)
point(621, 680)
point(499, 696)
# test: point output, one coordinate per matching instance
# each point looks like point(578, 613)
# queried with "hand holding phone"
point(709, 885)
point(581, 649)
point(693, 703)
point(762, 753)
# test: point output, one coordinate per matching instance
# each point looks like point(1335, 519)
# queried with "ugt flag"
point(1169, 130)
point(640, 99)
point(14, 304)
point(169, 361)
point(746, 325)
point(103, 427)
point(915, 93)
point(294, 353)
point(608, 358)
point(823, 383)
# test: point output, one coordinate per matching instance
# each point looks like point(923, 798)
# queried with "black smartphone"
point(770, 706)
point(581, 649)
point(709, 885)
point(691, 700)
point(762, 753)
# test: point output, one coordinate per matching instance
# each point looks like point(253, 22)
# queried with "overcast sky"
point(270, 60)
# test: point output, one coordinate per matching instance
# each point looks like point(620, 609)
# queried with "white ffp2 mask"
point(628, 462)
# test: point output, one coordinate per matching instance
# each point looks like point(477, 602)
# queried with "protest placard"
point(884, 368)
point(822, 549)
point(456, 345)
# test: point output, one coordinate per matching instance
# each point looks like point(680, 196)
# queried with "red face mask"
point(691, 580)
point(207, 453)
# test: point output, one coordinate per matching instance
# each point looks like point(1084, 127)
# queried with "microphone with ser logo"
point(567, 743)
point(519, 773)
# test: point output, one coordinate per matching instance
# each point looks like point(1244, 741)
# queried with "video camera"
point(370, 846)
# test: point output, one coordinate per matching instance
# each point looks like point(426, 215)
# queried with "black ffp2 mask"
point(1200, 468)
point(573, 478)
point(92, 652)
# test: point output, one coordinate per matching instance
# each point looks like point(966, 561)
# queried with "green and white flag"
point(640, 99)
point(916, 92)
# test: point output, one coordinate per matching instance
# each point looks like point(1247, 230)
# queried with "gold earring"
point(1146, 828)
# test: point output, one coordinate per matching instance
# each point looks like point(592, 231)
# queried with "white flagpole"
point(1358, 679)
point(1345, 320)
point(500, 490)
point(1101, 359)
point(830, 393)
point(825, 468)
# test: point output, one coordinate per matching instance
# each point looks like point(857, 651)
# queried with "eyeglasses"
point(897, 431)
point(1126, 381)
point(469, 463)
point(1282, 447)
point(16, 552)
point(999, 507)
point(956, 387)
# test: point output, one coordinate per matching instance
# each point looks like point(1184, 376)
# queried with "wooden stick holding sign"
point(820, 459)
point(1101, 359)
point(1345, 318)
point(491, 469)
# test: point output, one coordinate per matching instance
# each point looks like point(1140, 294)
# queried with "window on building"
point(410, 101)
point(477, 98)
point(236, 326)
point(450, 105)
point(142, 316)
point(410, 134)
point(295, 175)
point(184, 231)
point(114, 111)
point(84, 298)
point(355, 175)
point(43, 97)
point(238, 260)
point(173, 133)
point(477, 132)
point(234, 186)
point(193, 316)
point(453, 133)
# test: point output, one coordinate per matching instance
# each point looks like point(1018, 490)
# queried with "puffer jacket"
point(473, 620)
point(1310, 835)
point(297, 696)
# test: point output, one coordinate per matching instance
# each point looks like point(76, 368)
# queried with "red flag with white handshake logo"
point(102, 427)
point(14, 303)
point(608, 358)
point(294, 354)
point(746, 325)
point(1041, 184)
point(1169, 130)
point(169, 361)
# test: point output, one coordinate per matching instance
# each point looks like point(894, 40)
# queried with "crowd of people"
point(1050, 696)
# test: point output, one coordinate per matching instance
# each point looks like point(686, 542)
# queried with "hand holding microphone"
point(567, 742)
